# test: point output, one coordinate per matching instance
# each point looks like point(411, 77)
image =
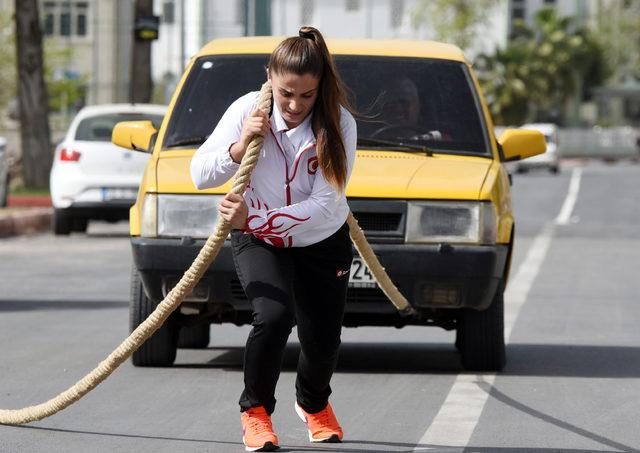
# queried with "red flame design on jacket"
point(269, 230)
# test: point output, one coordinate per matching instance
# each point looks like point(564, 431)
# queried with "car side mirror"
point(519, 144)
point(135, 135)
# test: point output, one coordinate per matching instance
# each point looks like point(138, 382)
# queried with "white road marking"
point(569, 202)
point(458, 416)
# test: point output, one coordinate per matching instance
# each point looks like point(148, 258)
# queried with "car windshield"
point(98, 128)
point(401, 100)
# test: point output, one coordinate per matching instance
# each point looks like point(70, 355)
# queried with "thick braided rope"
point(188, 281)
point(163, 310)
point(366, 252)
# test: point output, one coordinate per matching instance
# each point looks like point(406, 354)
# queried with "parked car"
point(91, 178)
point(548, 160)
point(428, 188)
point(4, 173)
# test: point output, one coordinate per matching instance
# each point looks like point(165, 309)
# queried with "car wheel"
point(4, 191)
point(61, 222)
point(554, 169)
point(160, 348)
point(194, 337)
point(480, 336)
point(79, 224)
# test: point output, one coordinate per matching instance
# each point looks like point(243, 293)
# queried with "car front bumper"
point(434, 278)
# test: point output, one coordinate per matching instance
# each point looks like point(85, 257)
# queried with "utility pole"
point(35, 134)
point(146, 24)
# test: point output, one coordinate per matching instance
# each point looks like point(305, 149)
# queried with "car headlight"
point(451, 221)
point(179, 215)
point(149, 216)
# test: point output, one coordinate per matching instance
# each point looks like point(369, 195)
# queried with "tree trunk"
point(32, 96)
point(141, 83)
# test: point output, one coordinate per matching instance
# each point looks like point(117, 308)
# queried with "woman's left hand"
point(234, 210)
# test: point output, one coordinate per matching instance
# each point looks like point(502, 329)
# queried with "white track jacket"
point(290, 203)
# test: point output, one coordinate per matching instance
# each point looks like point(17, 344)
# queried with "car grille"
point(377, 221)
point(381, 220)
point(354, 295)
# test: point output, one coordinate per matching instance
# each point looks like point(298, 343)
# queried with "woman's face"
point(295, 95)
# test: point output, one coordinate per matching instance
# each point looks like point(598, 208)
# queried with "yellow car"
point(429, 190)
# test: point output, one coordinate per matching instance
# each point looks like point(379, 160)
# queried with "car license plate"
point(360, 275)
point(117, 193)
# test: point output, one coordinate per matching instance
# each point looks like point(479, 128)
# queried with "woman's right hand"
point(255, 124)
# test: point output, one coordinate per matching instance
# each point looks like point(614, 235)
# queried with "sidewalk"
point(25, 214)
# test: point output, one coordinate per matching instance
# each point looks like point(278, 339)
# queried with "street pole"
point(141, 84)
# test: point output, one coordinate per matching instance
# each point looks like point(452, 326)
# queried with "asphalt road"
point(572, 382)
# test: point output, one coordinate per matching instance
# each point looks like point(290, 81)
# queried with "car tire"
point(160, 348)
point(4, 191)
point(194, 337)
point(79, 224)
point(61, 222)
point(480, 336)
point(555, 169)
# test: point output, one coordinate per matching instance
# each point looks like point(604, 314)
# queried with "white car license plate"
point(117, 193)
point(360, 275)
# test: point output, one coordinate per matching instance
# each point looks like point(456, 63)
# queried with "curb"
point(27, 221)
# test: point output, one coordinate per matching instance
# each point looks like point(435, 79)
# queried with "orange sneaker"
point(257, 431)
point(323, 426)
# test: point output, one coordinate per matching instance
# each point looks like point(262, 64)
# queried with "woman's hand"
point(255, 124)
point(234, 210)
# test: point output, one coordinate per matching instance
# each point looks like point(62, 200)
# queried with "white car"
point(548, 159)
point(91, 178)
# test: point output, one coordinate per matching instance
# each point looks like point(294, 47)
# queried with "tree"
point(542, 69)
point(32, 96)
point(7, 61)
point(453, 21)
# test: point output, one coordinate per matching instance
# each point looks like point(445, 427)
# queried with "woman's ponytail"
point(308, 53)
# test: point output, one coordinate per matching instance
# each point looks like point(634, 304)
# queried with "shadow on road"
point(55, 304)
point(522, 359)
point(349, 446)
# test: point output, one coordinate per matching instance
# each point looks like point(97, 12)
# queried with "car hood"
point(413, 176)
point(377, 174)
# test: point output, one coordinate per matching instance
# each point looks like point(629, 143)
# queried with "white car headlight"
point(149, 216)
point(451, 221)
point(187, 215)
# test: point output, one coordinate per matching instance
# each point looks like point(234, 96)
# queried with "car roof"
point(372, 47)
point(98, 109)
point(542, 127)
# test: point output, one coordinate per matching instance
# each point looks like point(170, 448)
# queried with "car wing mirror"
point(135, 135)
point(519, 144)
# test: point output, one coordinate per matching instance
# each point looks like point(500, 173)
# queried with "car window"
point(98, 128)
point(400, 100)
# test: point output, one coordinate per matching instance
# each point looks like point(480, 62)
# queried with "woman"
point(290, 239)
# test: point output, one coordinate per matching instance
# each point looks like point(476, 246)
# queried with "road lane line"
point(455, 422)
point(569, 202)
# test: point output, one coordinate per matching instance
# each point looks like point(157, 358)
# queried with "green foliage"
point(61, 90)
point(619, 31)
point(541, 69)
point(64, 92)
point(453, 21)
point(7, 60)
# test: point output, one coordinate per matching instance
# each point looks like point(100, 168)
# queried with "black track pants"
point(306, 286)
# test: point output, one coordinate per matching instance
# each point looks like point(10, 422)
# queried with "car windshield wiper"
point(197, 140)
point(371, 141)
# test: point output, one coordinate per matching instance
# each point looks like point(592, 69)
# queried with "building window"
point(49, 21)
point(81, 19)
point(168, 12)
point(353, 5)
point(65, 24)
point(306, 12)
point(397, 11)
